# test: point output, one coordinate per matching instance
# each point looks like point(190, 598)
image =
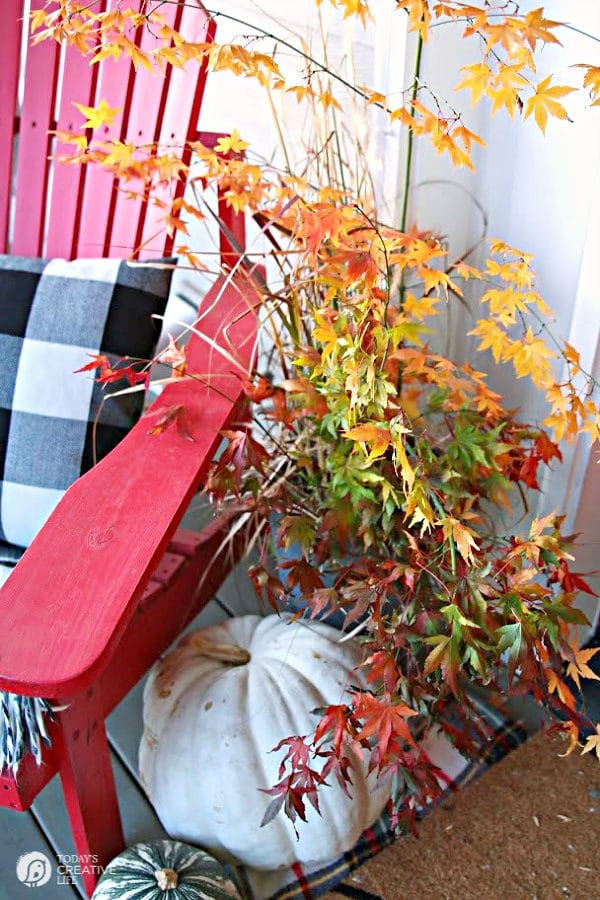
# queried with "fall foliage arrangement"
point(390, 466)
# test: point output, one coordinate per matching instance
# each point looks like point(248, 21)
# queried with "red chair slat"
point(153, 587)
point(37, 118)
point(10, 42)
point(147, 101)
point(186, 542)
point(115, 86)
point(179, 123)
point(168, 567)
point(66, 191)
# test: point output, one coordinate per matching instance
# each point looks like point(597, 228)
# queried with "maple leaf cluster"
point(389, 475)
point(389, 467)
point(506, 75)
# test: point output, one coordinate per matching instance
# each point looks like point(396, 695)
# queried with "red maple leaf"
point(547, 449)
point(322, 601)
point(259, 390)
point(298, 753)
point(109, 374)
point(382, 720)
point(267, 586)
point(383, 668)
point(170, 415)
point(571, 582)
point(301, 574)
point(333, 727)
point(528, 471)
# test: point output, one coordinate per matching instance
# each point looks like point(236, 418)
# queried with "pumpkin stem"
point(166, 879)
point(227, 653)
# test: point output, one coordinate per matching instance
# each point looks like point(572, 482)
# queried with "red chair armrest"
point(69, 600)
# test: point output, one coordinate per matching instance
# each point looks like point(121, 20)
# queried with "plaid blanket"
point(306, 883)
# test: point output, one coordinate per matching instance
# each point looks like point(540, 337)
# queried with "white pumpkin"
point(209, 727)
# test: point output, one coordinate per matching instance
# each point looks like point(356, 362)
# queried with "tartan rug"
point(310, 882)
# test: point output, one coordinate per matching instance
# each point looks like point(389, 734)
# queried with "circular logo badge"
point(34, 869)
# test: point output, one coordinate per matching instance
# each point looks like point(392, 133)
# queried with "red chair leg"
point(89, 787)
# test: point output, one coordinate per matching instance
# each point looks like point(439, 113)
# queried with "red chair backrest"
point(63, 210)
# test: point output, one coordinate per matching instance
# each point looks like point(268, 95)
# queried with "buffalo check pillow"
point(52, 315)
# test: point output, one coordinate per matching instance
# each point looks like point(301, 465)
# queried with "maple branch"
point(566, 25)
point(268, 34)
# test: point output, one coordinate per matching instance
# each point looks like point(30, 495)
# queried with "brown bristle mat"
point(528, 828)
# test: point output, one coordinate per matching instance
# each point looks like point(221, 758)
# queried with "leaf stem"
point(410, 138)
point(442, 512)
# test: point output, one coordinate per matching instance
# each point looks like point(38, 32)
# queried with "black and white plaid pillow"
point(52, 314)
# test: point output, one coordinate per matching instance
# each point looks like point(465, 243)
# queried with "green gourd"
point(164, 870)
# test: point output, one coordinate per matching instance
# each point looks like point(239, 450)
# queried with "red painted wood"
point(159, 618)
point(115, 85)
point(10, 42)
point(168, 567)
point(151, 588)
point(37, 118)
point(232, 236)
point(85, 213)
point(186, 542)
point(67, 181)
point(99, 548)
point(148, 97)
point(179, 123)
point(20, 792)
point(89, 786)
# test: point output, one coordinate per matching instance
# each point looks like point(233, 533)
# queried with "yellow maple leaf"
point(478, 80)
point(463, 537)
point(544, 103)
point(400, 457)
point(67, 137)
point(419, 308)
point(120, 155)
point(579, 666)
point(95, 116)
point(327, 99)
point(499, 247)
point(300, 91)
point(326, 334)
point(379, 438)
point(493, 338)
point(465, 271)
point(505, 90)
point(530, 357)
point(571, 729)
point(555, 684)
point(358, 8)
point(467, 137)
point(591, 80)
point(136, 54)
point(504, 304)
point(233, 143)
point(419, 15)
point(593, 743)
point(373, 96)
point(535, 27)
point(591, 425)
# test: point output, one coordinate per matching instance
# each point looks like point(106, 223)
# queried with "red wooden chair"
point(109, 582)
